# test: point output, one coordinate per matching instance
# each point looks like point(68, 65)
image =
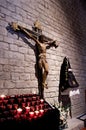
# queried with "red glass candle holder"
point(19, 111)
point(9, 106)
point(41, 106)
point(2, 97)
point(2, 107)
point(36, 112)
point(5, 101)
point(30, 99)
point(23, 104)
point(33, 103)
point(27, 109)
point(23, 116)
point(19, 99)
point(35, 117)
point(24, 99)
point(7, 97)
point(31, 114)
point(13, 112)
point(32, 108)
point(38, 97)
point(37, 107)
point(41, 100)
point(37, 102)
point(41, 111)
point(45, 110)
point(28, 103)
point(34, 98)
point(15, 106)
point(11, 101)
point(1, 102)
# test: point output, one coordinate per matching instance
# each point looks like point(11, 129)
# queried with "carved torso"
point(42, 48)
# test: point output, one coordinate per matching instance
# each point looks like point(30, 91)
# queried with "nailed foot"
point(44, 85)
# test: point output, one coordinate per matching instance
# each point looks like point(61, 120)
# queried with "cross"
point(42, 43)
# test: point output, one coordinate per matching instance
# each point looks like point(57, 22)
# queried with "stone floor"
point(75, 124)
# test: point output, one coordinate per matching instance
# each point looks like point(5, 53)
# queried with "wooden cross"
point(42, 43)
point(36, 30)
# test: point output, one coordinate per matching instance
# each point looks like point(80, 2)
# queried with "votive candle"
point(19, 110)
point(31, 113)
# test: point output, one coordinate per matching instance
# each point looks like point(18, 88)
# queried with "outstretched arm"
point(52, 43)
point(17, 27)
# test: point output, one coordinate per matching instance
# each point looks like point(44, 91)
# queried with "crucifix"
point(42, 43)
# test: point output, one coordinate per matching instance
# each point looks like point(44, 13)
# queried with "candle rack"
point(28, 110)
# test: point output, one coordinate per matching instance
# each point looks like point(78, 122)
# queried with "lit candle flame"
point(42, 100)
point(19, 110)
point(2, 96)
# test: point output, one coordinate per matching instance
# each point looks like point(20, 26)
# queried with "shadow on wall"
point(71, 10)
point(83, 3)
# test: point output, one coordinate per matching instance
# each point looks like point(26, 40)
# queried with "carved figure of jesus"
point(43, 64)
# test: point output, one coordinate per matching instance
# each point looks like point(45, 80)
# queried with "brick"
point(21, 84)
point(15, 55)
point(6, 68)
point(14, 47)
point(8, 39)
point(4, 91)
point(4, 46)
point(5, 11)
point(4, 75)
point(24, 76)
point(1, 38)
point(1, 83)
point(9, 84)
point(23, 50)
point(3, 61)
point(11, 7)
point(16, 62)
point(4, 31)
point(15, 76)
point(0, 67)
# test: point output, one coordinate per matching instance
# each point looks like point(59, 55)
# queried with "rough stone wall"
point(62, 20)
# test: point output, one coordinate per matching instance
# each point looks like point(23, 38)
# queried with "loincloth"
point(42, 56)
